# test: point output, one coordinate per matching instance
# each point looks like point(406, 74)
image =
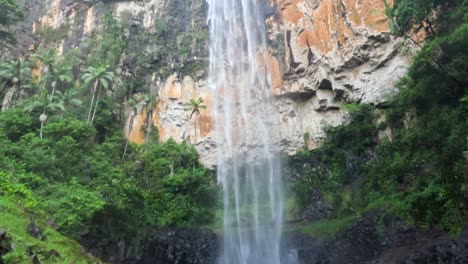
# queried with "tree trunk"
point(42, 126)
point(53, 91)
point(196, 128)
point(16, 93)
point(92, 101)
point(9, 98)
point(96, 106)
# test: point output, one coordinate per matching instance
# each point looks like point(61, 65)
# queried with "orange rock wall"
point(171, 116)
point(330, 24)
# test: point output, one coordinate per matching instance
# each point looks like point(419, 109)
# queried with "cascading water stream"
point(248, 163)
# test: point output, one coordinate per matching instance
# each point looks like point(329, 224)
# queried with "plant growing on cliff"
point(419, 172)
point(107, 43)
point(69, 99)
point(100, 76)
point(407, 15)
point(41, 102)
point(14, 74)
point(194, 106)
point(50, 36)
point(11, 14)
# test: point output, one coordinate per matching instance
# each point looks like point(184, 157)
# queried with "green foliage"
point(10, 186)
point(327, 228)
point(107, 43)
point(14, 71)
point(195, 105)
point(179, 40)
point(419, 14)
point(181, 187)
point(71, 204)
point(15, 220)
point(420, 172)
point(11, 14)
point(15, 75)
point(101, 77)
point(75, 173)
point(51, 36)
point(15, 123)
point(69, 173)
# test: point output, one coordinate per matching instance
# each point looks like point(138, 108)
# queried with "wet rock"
point(34, 260)
point(381, 239)
point(53, 253)
point(5, 244)
point(35, 231)
point(318, 208)
point(181, 246)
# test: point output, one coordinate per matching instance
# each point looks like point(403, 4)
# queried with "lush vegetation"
point(68, 178)
point(49, 247)
point(66, 167)
point(418, 170)
point(64, 162)
point(10, 14)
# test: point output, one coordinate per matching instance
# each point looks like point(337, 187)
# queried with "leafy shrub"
point(421, 170)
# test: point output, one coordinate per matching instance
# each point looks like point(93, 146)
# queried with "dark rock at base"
point(376, 238)
point(440, 250)
point(5, 244)
point(35, 231)
point(181, 246)
point(379, 239)
point(34, 260)
point(53, 253)
point(318, 208)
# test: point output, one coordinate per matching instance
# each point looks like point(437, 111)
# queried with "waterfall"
point(248, 164)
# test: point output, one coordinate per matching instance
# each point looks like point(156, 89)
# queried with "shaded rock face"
point(181, 246)
point(35, 231)
point(317, 209)
point(378, 239)
point(375, 239)
point(5, 244)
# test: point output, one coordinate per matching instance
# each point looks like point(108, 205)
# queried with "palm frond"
point(104, 83)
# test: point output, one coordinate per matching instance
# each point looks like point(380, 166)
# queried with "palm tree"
point(62, 74)
point(15, 73)
point(195, 106)
point(68, 99)
point(101, 78)
point(47, 57)
point(44, 105)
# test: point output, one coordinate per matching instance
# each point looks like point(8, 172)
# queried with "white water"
point(248, 164)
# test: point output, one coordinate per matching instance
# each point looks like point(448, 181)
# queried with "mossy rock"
point(53, 248)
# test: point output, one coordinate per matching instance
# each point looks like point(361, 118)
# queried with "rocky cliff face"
point(331, 53)
point(322, 54)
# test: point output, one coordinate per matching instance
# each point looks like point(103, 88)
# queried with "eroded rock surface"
point(379, 239)
point(181, 246)
point(328, 53)
point(321, 55)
